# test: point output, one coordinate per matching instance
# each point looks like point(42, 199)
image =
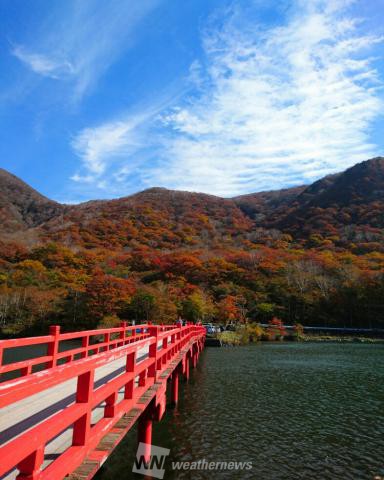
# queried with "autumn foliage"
point(310, 255)
point(276, 329)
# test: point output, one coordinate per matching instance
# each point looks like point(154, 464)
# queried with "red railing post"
point(85, 345)
point(107, 339)
point(143, 378)
point(153, 332)
point(26, 370)
point(179, 335)
point(30, 467)
point(110, 405)
point(82, 426)
point(130, 367)
point(123, 325)
point(164, 346)
point(133, 333)
point(172, 351)
point(53, 347)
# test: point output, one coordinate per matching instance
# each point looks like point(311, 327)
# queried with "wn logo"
point(155, 466)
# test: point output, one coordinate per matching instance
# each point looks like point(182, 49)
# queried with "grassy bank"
point(250, 333)
point(242, 336)
point(338, 339)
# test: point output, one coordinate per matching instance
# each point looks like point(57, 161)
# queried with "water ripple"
point(297, 411)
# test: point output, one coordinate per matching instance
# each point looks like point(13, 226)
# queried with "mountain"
point(345, 207)
point(157, 218)
point(338, 203)
point(267, 205)
point(310, 254)
point(21, 207)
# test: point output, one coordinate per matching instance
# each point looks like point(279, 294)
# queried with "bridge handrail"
point(164, 345)
point(126, 334)
point(13, 390)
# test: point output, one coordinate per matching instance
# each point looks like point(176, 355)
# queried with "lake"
point(296, 410)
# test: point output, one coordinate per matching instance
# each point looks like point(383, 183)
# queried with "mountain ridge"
point(21, 206)
point(309, 254)
point(167, 218)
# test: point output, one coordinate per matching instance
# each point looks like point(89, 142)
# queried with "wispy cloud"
point(273, 107)
point(278, 107)
point(42, 64)
point(99, 147)
point(112, 151)
point(82, 39)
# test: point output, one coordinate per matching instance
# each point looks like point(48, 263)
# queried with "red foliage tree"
point(276, 329)
point(107, 295)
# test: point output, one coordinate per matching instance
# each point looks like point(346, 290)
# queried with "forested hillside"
point(312, 254)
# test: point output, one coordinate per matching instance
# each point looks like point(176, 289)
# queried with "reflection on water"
point(297, 411)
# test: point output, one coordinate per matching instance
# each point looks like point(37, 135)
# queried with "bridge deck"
point(69, 408)
point(25, 414)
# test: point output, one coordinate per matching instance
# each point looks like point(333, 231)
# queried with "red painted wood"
point(144, 433)
point(29, 468)
point(53, 347)
point(175, 387)
point(186, 373)
point(82, 426)
point(112, 338)
point(26, 451)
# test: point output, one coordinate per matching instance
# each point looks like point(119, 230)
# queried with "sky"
point(102, 99)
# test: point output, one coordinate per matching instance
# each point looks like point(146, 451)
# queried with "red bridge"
point(65, 410)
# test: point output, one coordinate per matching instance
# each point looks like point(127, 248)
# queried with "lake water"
point(297, 411)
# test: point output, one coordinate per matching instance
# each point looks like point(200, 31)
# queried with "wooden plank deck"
point(107, 444)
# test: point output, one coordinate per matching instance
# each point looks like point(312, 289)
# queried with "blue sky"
point(103, 99)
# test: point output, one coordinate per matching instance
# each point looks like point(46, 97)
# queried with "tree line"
point(88, 288)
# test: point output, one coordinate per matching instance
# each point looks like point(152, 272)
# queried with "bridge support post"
point(175, 387)
point(187, 367)
point(144, 432)
point(194, 357)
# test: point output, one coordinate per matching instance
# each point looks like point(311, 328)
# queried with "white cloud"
point(279, 106)
point(112, 150)
point(42, 64)
point(96, 146)
point(275, 107)
point(82, 39)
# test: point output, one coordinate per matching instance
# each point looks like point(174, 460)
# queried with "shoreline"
point(235, 339)
point(330, 339)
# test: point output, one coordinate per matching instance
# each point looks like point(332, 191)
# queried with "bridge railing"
point(26, 451)
point(61, 348)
